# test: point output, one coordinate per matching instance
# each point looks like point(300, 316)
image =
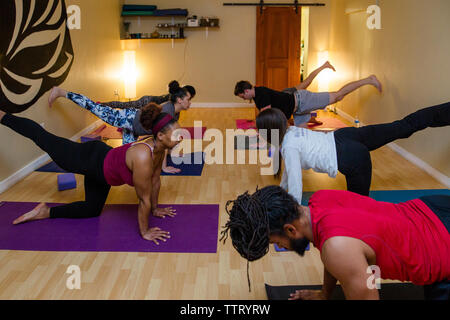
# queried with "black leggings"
point(81, 158)
point(353, 145)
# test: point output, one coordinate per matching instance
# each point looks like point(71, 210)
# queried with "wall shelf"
point(177, 27)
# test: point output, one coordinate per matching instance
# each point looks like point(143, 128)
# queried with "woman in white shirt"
point(346, 150)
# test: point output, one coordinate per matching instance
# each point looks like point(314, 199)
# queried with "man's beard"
point(299, 245)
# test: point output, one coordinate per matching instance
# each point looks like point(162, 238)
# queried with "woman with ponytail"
point(346, 150)
point(130, 119)
point(135, 164)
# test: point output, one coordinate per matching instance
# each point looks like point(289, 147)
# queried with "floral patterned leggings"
point(120, 118)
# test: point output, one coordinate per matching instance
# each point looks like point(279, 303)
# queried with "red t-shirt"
point(410, 241)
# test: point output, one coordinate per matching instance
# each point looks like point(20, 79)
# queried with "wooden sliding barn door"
point(278, 47)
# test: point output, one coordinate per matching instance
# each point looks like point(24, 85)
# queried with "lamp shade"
point(130, 74)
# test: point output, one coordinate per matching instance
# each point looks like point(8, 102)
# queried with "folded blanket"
point(136, 7)
point(171, 12)
point(138, 13)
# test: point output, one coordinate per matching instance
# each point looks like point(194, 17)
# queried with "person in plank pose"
point(408, 241)
point(298, 101)
point(346, 150)
point(129, 119)
point(136, 164)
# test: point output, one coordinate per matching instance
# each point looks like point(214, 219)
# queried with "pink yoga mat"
point(245, 124)
point(196, 133)
point(329, 124)
point(194, 229)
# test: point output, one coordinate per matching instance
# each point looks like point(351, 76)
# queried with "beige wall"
point(410, 55)
point(94, 73)
point(212, 65)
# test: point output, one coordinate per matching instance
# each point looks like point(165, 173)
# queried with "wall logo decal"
point(35, 51)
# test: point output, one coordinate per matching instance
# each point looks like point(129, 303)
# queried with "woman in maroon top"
point(102, 166)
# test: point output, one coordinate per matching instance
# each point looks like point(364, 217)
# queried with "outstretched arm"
point(307, 82)
point(142, 165)
point(292, 175)
point(345, 260)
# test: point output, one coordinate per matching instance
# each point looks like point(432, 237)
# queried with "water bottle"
point(357, 122)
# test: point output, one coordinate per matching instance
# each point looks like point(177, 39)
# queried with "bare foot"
point(329, 66)
point(55, 93)
point(376, 83)
point(40, 212)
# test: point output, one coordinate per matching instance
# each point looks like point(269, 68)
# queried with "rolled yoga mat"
point(388, 291)
point(191, 164)
point(194, 229)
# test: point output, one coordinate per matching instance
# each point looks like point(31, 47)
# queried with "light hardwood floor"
point(104, 275)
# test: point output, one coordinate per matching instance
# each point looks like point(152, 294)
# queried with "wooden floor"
point(42, 275)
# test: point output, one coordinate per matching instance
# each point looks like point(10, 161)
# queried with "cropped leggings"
point(353, 145)
point(81, 158)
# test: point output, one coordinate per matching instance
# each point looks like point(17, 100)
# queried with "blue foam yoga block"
point(90, 137)
point(66, 181)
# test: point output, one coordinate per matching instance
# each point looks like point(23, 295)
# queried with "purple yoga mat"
point(193, 230)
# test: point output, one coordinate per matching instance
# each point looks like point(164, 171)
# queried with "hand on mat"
point(171, 170)
point(155, 234)
point(307, 295)
point(163, 212)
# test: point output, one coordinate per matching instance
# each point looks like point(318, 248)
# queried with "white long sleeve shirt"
point(306, 149)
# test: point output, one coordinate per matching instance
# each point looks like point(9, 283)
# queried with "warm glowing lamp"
point(325, 76)
point(130, 74)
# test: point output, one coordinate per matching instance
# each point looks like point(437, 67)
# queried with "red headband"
point(162, 123)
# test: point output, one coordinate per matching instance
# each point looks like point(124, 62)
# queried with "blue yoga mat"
point(393, 196)
point(51, 167)
point(192, 164)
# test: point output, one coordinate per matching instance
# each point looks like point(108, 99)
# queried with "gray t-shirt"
point(167, 107)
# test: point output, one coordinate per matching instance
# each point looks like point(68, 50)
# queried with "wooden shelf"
point(153, 38)
point(185, 27)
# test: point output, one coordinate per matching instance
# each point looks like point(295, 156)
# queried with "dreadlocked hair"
point(253, 218)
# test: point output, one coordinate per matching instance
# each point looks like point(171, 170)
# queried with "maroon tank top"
point(115, 167)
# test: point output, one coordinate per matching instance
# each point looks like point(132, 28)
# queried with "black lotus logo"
point(35, 51)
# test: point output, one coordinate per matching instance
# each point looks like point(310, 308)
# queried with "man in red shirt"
point(409, 241)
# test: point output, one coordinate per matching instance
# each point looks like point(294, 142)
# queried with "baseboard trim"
point(442, 178)
point(40, 161)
